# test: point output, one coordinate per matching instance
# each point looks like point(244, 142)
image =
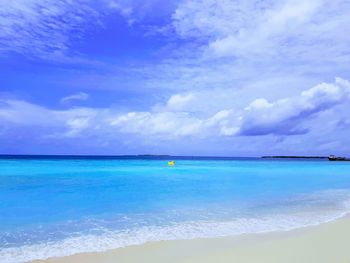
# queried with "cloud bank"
point(288, 116)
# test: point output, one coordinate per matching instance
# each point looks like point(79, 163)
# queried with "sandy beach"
point(328, 242)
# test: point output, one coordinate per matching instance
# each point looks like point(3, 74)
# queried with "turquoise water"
point(54, 207)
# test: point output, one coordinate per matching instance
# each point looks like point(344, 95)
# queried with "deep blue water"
point(56, 206)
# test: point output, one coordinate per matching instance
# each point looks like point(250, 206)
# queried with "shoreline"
point(326, 242)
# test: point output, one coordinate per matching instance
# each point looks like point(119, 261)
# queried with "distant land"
point(295, 157)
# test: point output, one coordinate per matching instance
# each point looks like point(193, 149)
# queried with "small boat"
point(171, 163)
point(337, 158)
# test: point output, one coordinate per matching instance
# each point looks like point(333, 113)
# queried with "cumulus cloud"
point(100, 121)
point(176, 102)
point(168, 124)
point(17, 113)
point(261, 117)
point(78, 96)
point(287, 116)
point(179, 101)
point(172, 124)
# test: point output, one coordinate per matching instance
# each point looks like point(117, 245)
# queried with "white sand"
point(329, 242)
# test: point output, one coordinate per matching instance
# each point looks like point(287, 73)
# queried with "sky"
point(196, 77)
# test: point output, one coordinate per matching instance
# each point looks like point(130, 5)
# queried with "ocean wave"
point(186, 230)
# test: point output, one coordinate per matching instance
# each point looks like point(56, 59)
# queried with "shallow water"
point(52, 207)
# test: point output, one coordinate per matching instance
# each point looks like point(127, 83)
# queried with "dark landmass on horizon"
point(293, 157)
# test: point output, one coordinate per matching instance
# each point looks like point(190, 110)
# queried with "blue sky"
point(201, 77)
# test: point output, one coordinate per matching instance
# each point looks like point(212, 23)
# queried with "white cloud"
point(290, 115)
point(211, 19)
point(273, 27)
point(24, 114)
point(237, 43)
point(78, 96)
point(43, 28)
point(76, 125)
point(99, 121)
point(259, 104)
point(261, 117)
point(176, 102)
point(287, 116)
point(265, 28)
point(168, 125)
point(301, 114)
point(179, 101)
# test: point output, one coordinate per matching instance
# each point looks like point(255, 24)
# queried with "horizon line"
point(155, 155)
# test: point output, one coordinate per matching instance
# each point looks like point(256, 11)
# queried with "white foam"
point(187, 230)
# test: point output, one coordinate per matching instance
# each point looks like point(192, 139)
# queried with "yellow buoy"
point(171, 163)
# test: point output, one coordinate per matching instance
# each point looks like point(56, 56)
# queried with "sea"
point(54, 206)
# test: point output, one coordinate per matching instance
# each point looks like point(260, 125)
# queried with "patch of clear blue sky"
point(111, 48)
